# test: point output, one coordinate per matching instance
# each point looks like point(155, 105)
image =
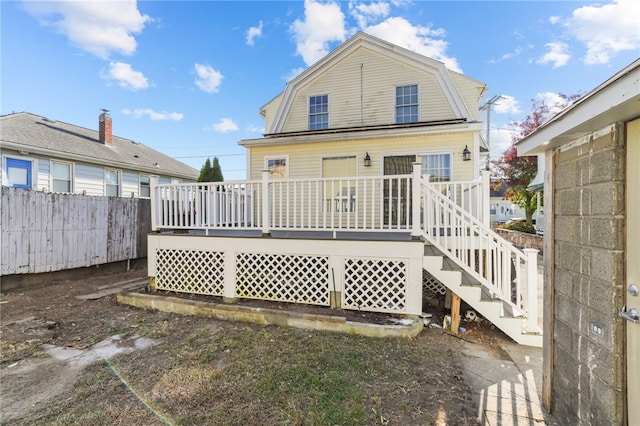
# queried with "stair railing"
point(507, 272)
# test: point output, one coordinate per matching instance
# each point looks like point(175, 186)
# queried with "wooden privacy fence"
point(45, 232)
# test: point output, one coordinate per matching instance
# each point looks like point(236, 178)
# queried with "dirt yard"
point(71, 359)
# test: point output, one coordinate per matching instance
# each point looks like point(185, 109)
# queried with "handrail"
point(487, 257)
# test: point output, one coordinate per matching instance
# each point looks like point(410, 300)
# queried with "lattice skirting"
point(361, 283)
point(190, 271)
point(431, 286)
point(287, 278)
point(375, 284)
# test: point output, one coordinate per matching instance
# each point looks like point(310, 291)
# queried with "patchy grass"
point(207, 372)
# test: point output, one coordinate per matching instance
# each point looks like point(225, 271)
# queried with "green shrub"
point(519, 226)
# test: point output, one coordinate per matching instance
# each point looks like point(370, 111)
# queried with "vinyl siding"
point(380, 76)
point(305, 160)
point(130, 183)
point(470, 90)
point(270, 110)
point(89, 178)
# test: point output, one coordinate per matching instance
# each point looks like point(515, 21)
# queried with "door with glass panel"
point(397, 191)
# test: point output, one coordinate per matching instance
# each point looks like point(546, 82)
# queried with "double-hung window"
point(438, 166)
point(112, 183)
point(319, 112)
point(340, 194)
point(61, 176)
point(407, 104)
point(145, 187)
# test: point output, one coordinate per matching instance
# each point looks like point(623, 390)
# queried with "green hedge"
point(519, 226)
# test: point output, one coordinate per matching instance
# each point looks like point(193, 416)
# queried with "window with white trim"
point(319, 112)
point(61, 176)
point(407, 104)
point(145, 187)
point(438, 166)
point(277, 166)
point(112, 183)
point(340, 195)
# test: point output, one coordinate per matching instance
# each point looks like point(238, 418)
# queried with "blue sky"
point(188, 78)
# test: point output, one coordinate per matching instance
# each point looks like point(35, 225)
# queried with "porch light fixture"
point(466, 154)
point(367, 160)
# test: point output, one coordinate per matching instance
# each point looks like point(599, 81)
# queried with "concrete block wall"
point(588, 373)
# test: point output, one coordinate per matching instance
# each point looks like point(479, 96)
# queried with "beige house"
point(364, 191)
point(591, 366)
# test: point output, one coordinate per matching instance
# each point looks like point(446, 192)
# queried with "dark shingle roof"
point(40, 135)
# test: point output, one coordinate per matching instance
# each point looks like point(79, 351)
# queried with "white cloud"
point(98, 27)
point(153, 115)
point(606, 29)
point(554, 101)
point(323, 23)
point(507, 105)
point(557, 55)
point(365, 13)
point(420, 39)
point(253, 33)
point(293, 74)
point(252, 128)
point(208, 79)
point(225, 125)
point(554, 19)
point(126, 76)
point(500, 141)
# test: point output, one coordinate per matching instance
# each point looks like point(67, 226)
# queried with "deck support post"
point(455, 313)
point(266, 222)
point(415, 204)
point(532, 290)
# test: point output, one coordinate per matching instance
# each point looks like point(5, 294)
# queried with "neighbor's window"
point(340, 194)
point(319, 112)
point(112, 183)
point(145, 188)
point(61, 176)
point(277, 167)
point(407, 104)
point(18, 173)
point(438, 166)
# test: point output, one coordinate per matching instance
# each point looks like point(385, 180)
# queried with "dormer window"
point(319, 112)
point(407, 104)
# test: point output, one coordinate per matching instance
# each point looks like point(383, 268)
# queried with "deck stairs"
point(481, 299)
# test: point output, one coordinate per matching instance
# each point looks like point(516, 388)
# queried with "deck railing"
point(354, 204)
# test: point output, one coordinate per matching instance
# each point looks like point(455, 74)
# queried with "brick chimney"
point(105, 132)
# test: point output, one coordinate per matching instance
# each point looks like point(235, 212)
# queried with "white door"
point(633, 269)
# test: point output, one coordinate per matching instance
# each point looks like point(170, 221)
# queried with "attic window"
point(407, 104)
point(319, 112)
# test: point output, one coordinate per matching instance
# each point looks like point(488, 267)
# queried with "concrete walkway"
point(507, 391)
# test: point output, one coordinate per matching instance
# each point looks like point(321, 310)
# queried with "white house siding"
point(130, 184)
point(471, 91)
point(270, 110)
point(42, 180)
point(89, 178)
point(380, 76)
point(305, 160)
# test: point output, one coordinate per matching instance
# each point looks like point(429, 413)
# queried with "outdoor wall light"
point(466, 154)
point(367, 160)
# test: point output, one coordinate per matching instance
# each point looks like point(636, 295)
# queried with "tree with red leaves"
point(516, 173)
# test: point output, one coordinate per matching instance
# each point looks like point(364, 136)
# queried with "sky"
point(188, 78)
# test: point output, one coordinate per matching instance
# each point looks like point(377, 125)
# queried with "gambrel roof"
point(40, 135)
point(437, 69)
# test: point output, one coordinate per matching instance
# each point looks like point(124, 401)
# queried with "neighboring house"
point(42, 154)
point(365, 188)
point(591, 363)
point(502, 209)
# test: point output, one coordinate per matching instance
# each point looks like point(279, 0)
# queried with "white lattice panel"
point(431, 286)
point(190, 271)
point(373, 284)
point(287, 278)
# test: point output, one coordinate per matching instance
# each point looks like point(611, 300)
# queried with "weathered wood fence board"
point(45, 232)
